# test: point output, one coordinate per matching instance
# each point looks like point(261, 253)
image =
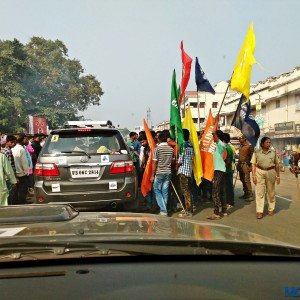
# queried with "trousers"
point(244, 169)
point(161, 189)
point(217, 195)
point(185, 189)
point(265, 185)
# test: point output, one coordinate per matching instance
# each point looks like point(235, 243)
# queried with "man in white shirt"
point(22, 169)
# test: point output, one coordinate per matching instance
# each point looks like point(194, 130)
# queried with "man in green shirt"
point(219, 175)
point(6, 173)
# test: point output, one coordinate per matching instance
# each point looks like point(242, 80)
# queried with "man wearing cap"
point(244, 167)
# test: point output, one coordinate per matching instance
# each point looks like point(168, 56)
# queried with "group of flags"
point(239, 81)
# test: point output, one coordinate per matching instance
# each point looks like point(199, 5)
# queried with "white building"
point(201, 102)
point(275, 104)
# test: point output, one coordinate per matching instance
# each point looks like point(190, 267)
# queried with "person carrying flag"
point(219, 175)
point(149, 197)
point(185, 168)
point(161, 172)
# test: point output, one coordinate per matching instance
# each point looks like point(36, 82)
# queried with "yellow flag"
point(197, 163)
point(240, 80)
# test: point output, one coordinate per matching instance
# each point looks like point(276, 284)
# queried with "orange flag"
point(146, 185)
point(207, 148)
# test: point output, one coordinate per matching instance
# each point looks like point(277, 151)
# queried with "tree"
point(41, 80)
point(56, 86)
point(13, 69)
point(12, 115)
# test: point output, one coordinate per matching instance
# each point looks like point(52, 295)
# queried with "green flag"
point(175, 119)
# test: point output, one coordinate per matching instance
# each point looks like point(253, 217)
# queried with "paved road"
point(283, 226)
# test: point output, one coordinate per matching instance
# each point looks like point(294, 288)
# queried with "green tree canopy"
point(45, 80)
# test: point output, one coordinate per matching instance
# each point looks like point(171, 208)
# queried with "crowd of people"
point(18, 157)
point(174, 188)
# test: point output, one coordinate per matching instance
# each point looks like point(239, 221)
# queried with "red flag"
point(186, 70)
point(146, 185)
point(207, 148)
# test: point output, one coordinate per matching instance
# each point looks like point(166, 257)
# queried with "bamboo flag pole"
point(177, 196)
point(224, 96)
point(198, 105)
point(184, 106)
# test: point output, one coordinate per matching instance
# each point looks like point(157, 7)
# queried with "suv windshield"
point(92, 142)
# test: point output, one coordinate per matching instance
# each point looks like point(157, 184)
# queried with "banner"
point(38, 125)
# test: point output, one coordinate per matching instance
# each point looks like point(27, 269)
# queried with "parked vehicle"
point(86, 164)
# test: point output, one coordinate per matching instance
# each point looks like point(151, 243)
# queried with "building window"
point(297, 100)
point(277, 103)
point(193, 104)
point(214, 104)
point(202, 104)
point(195, 120)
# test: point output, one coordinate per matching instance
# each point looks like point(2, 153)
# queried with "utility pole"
point(149, 117)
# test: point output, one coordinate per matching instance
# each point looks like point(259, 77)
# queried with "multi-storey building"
point(275, 104)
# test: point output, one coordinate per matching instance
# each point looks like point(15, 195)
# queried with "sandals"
point(185, 215)
point(259, 215)
point(214, 217)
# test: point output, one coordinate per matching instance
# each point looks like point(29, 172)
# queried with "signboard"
point(37, 125)
point(258, 106)
point(284, 135)
point(286, 126)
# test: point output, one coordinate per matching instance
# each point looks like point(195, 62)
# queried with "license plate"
point(85, 172)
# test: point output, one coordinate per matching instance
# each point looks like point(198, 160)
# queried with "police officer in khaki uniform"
point(265, 172)
point(244, 167)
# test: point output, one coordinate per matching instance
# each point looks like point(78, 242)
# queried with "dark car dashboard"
point(152, 277)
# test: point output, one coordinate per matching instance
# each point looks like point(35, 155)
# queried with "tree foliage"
point(46, 82)
point(12, 115)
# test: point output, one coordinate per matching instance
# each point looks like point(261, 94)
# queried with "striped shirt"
point(186, 160)
point(8, 153)
point(164, 155)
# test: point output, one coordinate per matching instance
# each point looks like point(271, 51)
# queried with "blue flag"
point(244, 121)
point(202, 83)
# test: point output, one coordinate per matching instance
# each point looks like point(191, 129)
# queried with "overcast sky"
point(132, 46)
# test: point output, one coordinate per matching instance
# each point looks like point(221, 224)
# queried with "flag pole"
point(204, 109)
point(224, 96)
point(198, 105)
point(184, 106)
point(177, 196)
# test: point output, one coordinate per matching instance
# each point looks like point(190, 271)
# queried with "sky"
point(132, 46)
